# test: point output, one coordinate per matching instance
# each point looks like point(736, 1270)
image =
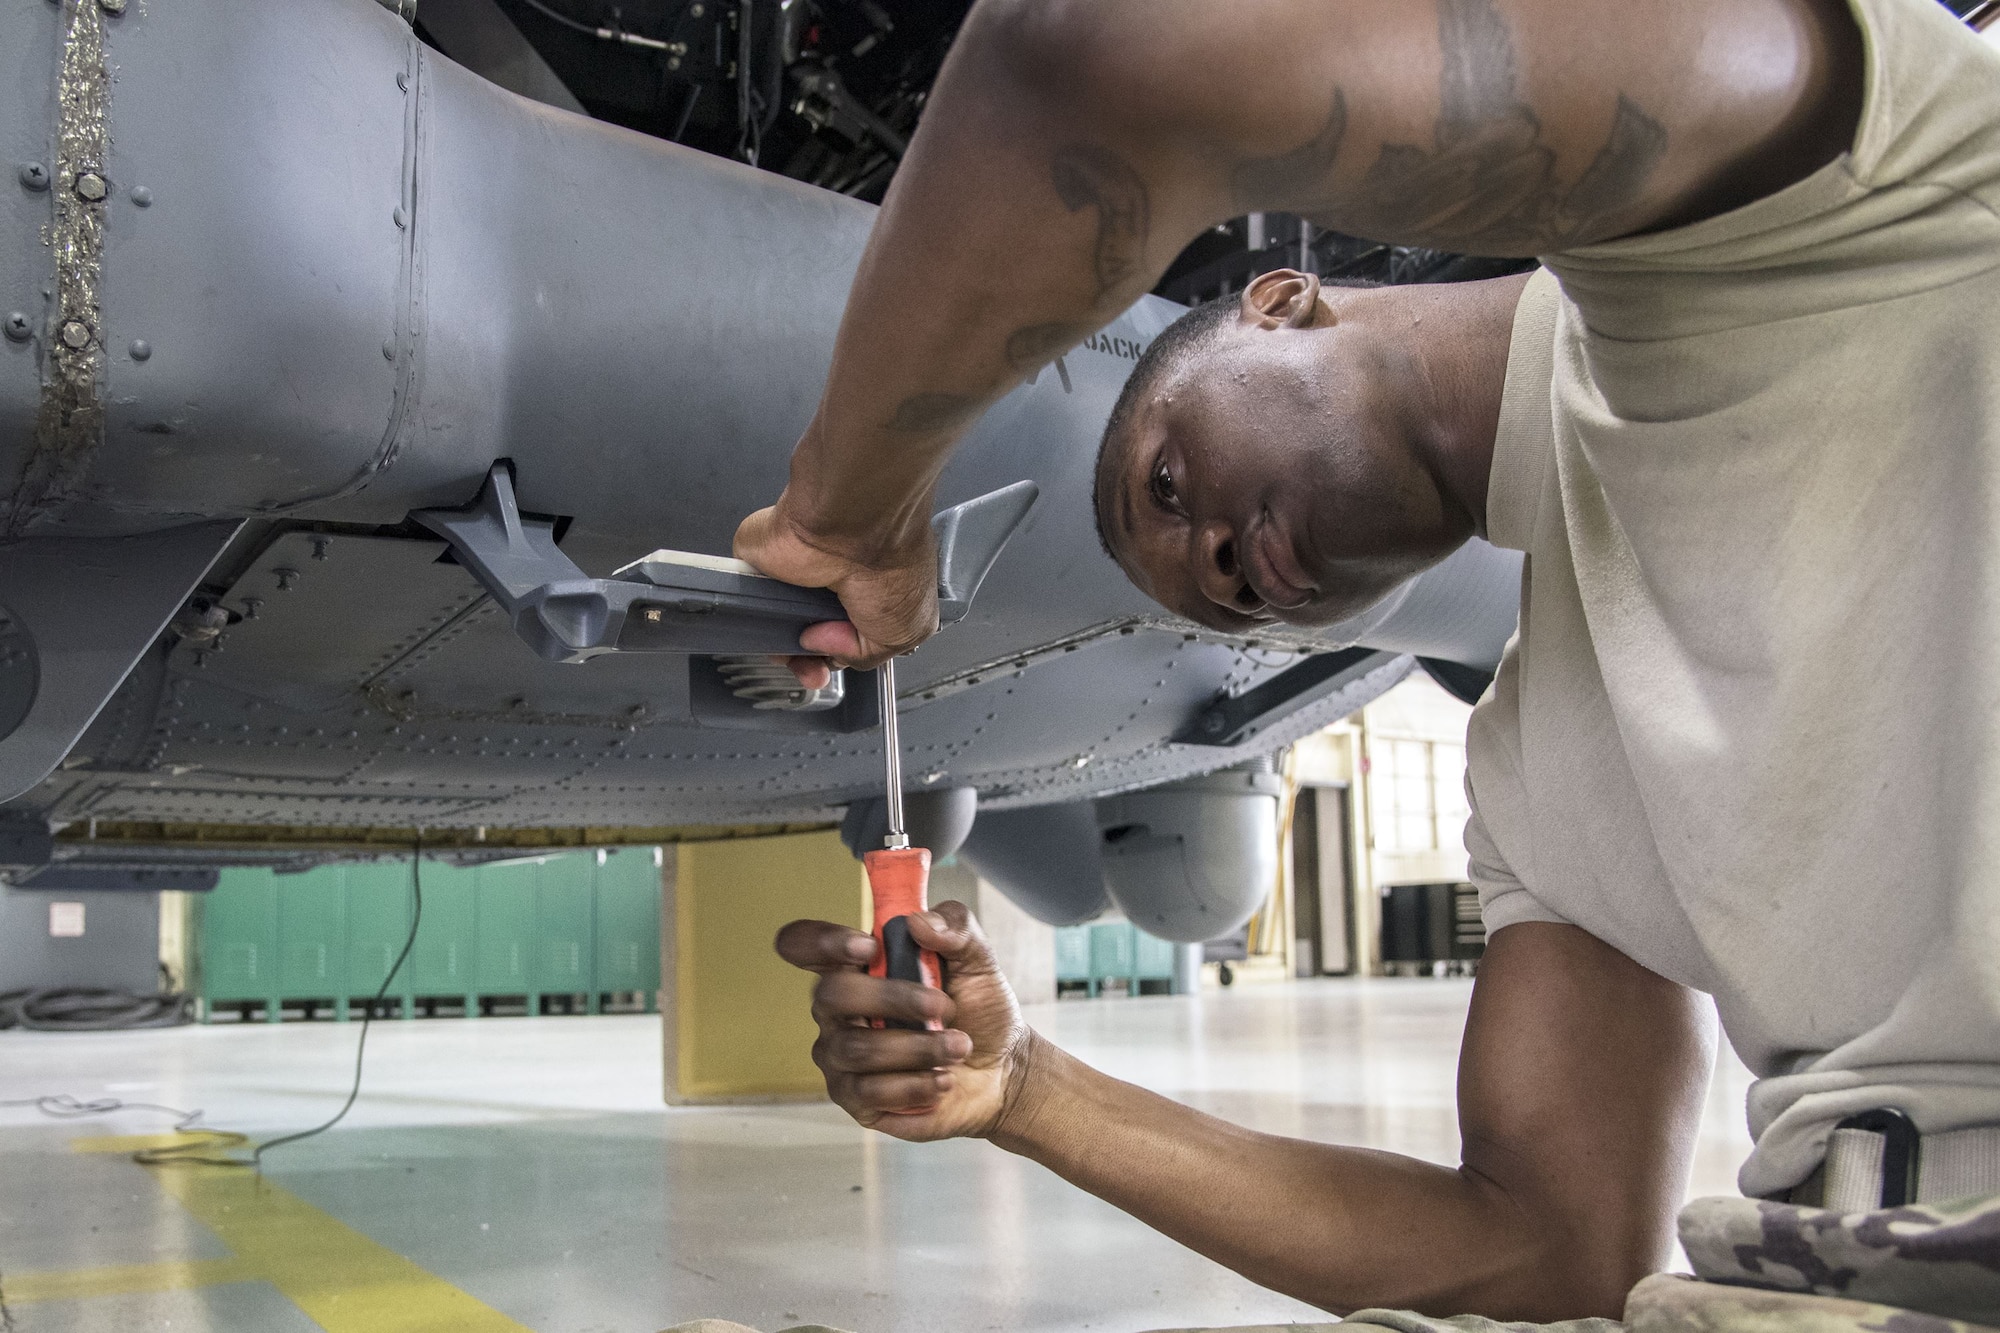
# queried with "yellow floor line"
point(342, 1280)
point(124, 1280)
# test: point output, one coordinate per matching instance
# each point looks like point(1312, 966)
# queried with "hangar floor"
point(505, 1174)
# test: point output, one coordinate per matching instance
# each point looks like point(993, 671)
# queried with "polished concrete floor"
point(519, 1173)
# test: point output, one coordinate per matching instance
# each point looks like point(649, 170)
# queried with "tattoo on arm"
point(931, 413)
point(1488, 184)
point(1293, 179)
point(1089, 176)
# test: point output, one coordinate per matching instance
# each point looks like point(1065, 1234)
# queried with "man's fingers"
point(950, 931)
point(822, 946)
point(897, 1094)
point(837, 639)
point(812, 673)
point(845, 998)
point(852, 1050)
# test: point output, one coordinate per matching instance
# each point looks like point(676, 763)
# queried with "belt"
point(1878, 1159)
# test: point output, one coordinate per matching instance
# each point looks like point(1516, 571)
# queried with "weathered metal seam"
point(407, 341)
point(69, 423)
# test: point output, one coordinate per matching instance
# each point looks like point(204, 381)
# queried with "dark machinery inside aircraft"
point(283, 328)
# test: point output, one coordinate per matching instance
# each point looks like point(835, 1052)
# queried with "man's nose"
point(1218, 568)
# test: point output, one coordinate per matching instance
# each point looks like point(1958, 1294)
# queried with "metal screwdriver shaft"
point(892, 754)
point(898, 874)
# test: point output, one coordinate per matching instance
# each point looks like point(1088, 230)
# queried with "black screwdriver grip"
point(900, 951)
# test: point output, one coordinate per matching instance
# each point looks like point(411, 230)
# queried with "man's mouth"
point(1272, 569)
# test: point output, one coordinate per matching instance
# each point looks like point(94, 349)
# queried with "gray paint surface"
point(119, 948)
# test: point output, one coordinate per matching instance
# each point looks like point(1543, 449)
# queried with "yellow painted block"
point(738, 1020)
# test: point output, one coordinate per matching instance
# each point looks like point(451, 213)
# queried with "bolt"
point(90, 187)
point(673, 62)
point(35, 176)
point(142, 197)
point(140, 349)
point(695, 11)
point(18, 329)
point(112, 6)
point(75, 335)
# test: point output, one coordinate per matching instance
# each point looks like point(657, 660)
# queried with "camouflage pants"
point(1760, 1268)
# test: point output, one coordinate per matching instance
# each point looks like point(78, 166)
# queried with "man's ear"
point(1282, 299)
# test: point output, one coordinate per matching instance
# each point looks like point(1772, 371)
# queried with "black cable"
point(361, 1047)
point(62, 1106)
point(612, 34)
point(91, 1009)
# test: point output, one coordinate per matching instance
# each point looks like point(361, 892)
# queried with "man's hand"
point(892, 604)
point(914, 1085)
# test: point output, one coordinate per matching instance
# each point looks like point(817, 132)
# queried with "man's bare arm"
point(1580, 1087)
point(1073, 147)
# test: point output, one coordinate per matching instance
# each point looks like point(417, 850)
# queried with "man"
point(1742, 425)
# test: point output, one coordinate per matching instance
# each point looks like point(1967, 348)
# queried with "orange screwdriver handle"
point(899, 881)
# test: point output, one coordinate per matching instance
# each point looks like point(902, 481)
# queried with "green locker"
point(1111, 951)
point(564, 889)
point(1154, 960)
point(580, 923)
point(1073, 955)
point(378, 921)
point(441, 963)
point(628, 923)
point(239, 938)
point(312, 938)
point(506, 929)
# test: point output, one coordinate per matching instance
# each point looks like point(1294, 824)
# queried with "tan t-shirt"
point(1749, 732)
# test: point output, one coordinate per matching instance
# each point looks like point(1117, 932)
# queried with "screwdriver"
point(898, 874)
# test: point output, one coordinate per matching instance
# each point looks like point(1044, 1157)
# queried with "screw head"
point(75, 334)
point(403, 80)
point(696, 11)
point(90, 187)
point(142, 197)
point(140, 349)
point(35, 176)
point(388, 351)
point(402, 218)
point(112, 6)
point(17, 327)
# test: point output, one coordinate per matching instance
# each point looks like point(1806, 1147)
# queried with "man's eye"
point(1162, 486)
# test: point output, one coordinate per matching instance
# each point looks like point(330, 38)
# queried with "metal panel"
point(74, 617)
point(312, 938)
point(378, 923)
point(441, 962)
point(27, 115)
point(506, 929)
point(119, 947)
point(628, 922)
point(269, 269)
point(563, 925)
point(239, 937)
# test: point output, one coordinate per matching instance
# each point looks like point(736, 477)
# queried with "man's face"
point(1272, 478)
